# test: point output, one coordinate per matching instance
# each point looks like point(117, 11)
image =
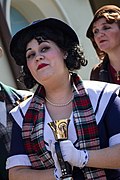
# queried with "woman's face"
point(106, 36)
point(44, 60)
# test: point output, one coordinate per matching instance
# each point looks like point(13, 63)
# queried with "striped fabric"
point(85, 124)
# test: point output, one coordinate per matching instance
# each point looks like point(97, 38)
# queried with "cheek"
point(95, 39)
point(30, 66)
point(116, 36)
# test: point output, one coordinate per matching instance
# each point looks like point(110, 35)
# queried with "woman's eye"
point(95, 31)
point(30, 56)
point(106, 27)
point(44, 49)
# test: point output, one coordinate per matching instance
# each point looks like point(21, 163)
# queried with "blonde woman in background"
point(104, 33)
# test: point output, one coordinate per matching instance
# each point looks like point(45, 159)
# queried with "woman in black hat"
point(48, 51)
point(104, 32)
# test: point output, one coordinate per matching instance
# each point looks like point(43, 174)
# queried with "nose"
point(100, 33)
point(39, 57)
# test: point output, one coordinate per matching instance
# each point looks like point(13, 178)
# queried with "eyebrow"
point(101, 24)
point(28, 49)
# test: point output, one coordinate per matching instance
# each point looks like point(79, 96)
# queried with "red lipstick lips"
point(42, 66)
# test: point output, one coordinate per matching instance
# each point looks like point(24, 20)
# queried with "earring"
point(1, 51)
point(65, 56)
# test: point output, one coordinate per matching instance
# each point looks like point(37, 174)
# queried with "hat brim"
point(89, 33)
point(48, 22)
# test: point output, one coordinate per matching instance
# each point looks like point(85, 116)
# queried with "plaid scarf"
point(85, 124)
point(11, 98)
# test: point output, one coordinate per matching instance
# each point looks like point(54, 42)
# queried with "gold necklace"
point(59, 105)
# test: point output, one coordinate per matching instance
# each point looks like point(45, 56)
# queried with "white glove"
point(57, 171)
point(78, 158)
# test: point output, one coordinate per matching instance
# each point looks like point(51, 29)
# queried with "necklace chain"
point(59, 105)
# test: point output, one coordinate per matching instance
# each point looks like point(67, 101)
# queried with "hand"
point(57, 171)
point(70, 154)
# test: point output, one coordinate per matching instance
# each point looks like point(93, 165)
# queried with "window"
point(18, 21)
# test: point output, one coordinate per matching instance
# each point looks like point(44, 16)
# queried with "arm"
point(109, 157)
point(19, 164)
point(25, 173)
point(105, 158)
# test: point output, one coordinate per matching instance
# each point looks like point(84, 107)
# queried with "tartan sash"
point(85, 125)
point(32, 133)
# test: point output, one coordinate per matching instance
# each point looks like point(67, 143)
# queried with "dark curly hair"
point(74, 60)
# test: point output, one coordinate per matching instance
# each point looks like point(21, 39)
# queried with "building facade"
point(15, 14)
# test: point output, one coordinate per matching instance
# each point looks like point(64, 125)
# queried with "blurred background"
point(15, 14)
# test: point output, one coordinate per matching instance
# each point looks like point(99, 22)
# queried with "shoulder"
point(22, 93)
point(101, 95)
point(97, 66)
point(94, 74)
point(15, 94)
point(102, 64)
point(18, 96)
point(94, 89)
point(97, 86)
point(16, 112)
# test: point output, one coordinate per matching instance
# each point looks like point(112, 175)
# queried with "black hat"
point(99, 13)
point(18, 39)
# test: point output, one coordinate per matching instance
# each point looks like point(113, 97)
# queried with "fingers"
point(51, 144)
point(57, 170)
point(67, 149)
point(66, 146)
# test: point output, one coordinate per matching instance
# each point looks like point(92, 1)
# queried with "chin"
point(43, 79)
point(105, 49)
